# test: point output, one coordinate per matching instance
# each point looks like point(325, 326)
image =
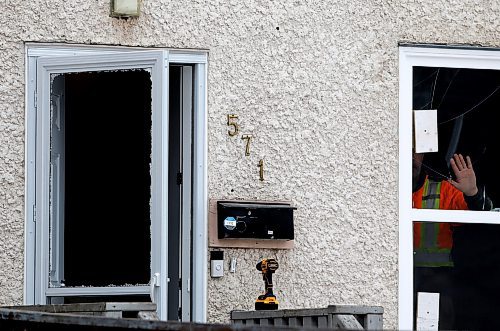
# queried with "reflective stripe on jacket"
point(432, 242)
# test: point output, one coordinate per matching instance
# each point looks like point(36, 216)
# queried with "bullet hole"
point(232, 190)
point(278, 28)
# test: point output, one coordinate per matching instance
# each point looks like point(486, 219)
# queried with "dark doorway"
point(107, 190)
point(174, 191)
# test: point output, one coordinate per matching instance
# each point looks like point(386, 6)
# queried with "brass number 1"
point(261, 170)
point(248, 137)
point(233, 124)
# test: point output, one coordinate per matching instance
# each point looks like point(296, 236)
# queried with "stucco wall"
point(320, 96)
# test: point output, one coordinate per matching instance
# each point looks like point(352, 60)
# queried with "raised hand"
point(464, 173)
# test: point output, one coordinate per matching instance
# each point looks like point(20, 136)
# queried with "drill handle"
point(268, 279)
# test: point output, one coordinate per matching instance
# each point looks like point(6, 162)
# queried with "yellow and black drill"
point(267, 301)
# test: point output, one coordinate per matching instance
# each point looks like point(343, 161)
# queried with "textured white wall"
point(320, 96)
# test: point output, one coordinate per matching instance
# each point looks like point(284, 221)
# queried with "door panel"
point(180, 106)
point(57, 181)
point(106, 150)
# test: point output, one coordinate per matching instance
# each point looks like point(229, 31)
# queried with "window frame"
point(427, 56)
point(199, 60)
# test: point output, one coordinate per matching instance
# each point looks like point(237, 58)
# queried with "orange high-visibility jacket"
point(436, 195)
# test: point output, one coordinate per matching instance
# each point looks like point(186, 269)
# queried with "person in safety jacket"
point(433, 242)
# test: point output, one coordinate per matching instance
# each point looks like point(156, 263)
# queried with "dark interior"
point(107, 172)
point(102, 298)
point(174, 190)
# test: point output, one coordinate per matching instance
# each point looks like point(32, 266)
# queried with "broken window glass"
point(467, 102)
point(455, 265)
point(462, 274)
point(100, 178)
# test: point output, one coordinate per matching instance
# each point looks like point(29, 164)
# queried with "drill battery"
point(266, 302)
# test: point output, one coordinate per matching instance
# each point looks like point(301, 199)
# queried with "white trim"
point(188, 57)
point(455, 216)
point(175, 55)
point(200, 196)
point(427, 57)
point(93, 62)
point(42, 185)
point(186, 217)
point(405, 243)
point(160, 171)
point(84, 291)
point(62, 49)
point(29, 225)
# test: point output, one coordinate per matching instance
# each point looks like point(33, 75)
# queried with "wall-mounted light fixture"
point(125, 8)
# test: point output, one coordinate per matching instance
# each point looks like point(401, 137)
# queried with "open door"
point(102, 154)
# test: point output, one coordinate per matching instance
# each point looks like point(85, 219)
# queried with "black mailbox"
point(254, 220)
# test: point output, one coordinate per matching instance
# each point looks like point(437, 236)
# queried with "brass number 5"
point(248, 137)
point(233, 124)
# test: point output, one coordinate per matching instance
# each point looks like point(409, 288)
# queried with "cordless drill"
point(267, 301)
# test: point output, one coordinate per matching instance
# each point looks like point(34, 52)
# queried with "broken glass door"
point(102, 149)
point(100, 232)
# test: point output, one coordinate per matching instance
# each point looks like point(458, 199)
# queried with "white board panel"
point(427, 311)
point(426, 131)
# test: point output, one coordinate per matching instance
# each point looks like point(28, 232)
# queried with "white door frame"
point(187, 137)
point(199, 177)
point(154, 62)
point(427, 56)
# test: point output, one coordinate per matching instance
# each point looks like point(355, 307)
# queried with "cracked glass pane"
point(463, 269)
point(100, 178)
point(458, 262)
point(462, 174)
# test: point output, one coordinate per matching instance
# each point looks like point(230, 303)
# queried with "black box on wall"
point(254, 220)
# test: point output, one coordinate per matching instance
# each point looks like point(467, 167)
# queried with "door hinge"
point(34, 213)
point(179, 313)
point(36, 99)
point(179, 178)
point(180, 283)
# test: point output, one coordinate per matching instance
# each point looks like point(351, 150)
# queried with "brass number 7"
point(248, 137)
point(233, 124)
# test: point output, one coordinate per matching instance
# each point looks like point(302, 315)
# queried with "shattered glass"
point(101, 135)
